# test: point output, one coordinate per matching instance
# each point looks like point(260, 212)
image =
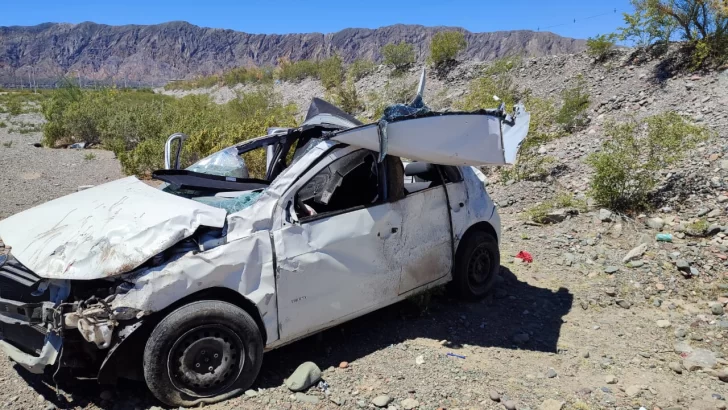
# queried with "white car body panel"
point(454, 139)
point(103, 231)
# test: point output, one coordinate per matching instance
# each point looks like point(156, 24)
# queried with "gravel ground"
point(30, 176)
point(558, 333)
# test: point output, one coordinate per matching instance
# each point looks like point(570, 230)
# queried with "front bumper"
point(35, 364)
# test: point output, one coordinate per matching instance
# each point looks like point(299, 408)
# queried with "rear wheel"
point(477, 263)
point(203, 352)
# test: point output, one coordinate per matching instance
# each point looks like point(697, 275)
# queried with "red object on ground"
point(525, 256)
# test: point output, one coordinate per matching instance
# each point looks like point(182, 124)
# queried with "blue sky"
point(296, 16)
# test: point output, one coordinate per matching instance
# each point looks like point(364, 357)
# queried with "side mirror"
point(168, 150)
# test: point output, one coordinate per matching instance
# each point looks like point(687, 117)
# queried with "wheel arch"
point(125, 358)
point(482, 226)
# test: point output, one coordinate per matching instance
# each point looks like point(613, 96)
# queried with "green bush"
point(601, 46)
point(400, 56)
point(15, 107)
point(360, 68)
point(232, 77)
point(298, 70)
point(135, 125)
point(445, 46)
point(572, 114)
point(395, 91)
point(502, 65)
point(331, 72)
point(626, 168)
point(345, 97)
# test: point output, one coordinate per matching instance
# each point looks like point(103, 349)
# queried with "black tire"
point(195, 338)
point(477, 263)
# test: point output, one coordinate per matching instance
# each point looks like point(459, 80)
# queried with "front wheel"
point(203, 352)
point(477, 263)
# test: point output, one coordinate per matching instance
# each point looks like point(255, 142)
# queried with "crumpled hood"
point(103, 231)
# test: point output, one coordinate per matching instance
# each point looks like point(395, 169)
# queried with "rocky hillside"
point(152, 55)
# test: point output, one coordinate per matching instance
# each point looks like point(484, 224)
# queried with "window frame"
point(381, 185)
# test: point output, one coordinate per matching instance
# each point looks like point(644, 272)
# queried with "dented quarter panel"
point(244, 265)
point(103, 231)
point(479, 206)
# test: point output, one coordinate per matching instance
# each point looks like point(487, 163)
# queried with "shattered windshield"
point(225, 163)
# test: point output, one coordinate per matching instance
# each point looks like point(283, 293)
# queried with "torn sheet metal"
point(104, 231)
point(446, 139)
point(244, 266)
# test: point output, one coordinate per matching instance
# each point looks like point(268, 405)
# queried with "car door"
point(425, 244)
point(335, 249)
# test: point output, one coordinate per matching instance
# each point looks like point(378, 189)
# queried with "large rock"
point(635, 253)
point(655, 223)
point(305, 376)
point(700, 359)
point(605, 215)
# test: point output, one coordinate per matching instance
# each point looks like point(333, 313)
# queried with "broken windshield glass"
point(226, 163)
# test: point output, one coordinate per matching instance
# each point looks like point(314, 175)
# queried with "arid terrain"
point(582, 327)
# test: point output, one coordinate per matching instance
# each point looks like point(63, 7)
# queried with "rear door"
point(425, 244)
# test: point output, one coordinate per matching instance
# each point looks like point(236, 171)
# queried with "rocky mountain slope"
point(154, 54)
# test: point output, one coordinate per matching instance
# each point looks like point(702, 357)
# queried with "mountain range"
point(138, 55)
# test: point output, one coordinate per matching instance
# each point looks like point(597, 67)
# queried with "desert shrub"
point(135, 125)
point(297, 70)
point(502, 65)
point(234, 76)
point(400, 56)
point(345, 97)
point(601, 46)
point(626, 168)
point(538, 212)
point(360, 68)
point(445, 46)
point(3, 124)
point(15, 107)
point(572, 114)
point(702, 23)
point(331, 72)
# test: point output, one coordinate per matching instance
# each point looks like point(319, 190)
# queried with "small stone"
point(420, 360)
point(551, 373)
point(682, 265)
point(305, 398)
point(605, 215)
point(343, 365)
point(713, 230)
point(611, 269)
point(611, 291)
point(510, 405)
point(337, 400)
point(663, 324)
point(636, 264)
point(495, 396)
point(41, 398)
point(676, 367)
point(700, 359)
point(305, 376)
point(381, 401)
point(624, 304)
point(716, 308)
point(611, 379)
point(586, 355)
point(722, 198)
point(551, 404)
point(633, 391)
point(409, 404)
point(635, 253)
point(251, 393)
point(655, 223)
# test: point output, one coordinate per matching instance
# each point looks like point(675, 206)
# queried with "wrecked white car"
point(186, 286)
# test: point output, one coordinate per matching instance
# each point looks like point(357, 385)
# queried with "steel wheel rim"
point(479, 269)
point(206, 361)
